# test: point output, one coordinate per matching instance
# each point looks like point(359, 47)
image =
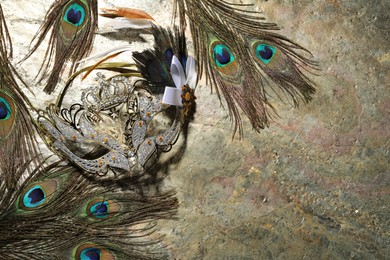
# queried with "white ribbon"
point(172, 96)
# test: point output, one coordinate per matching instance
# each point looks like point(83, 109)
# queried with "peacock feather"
point(60, 214)
point(18, 148)
point(72, 24)
point(238, 52)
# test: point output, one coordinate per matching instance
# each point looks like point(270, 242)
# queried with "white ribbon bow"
point(172, 96)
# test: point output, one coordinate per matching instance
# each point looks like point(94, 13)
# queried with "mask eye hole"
point(265, 52)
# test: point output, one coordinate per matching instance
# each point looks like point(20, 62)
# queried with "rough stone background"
point(316, 183)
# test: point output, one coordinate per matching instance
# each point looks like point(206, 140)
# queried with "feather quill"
point(72, 24)
point(238, 52)
point(5, 38)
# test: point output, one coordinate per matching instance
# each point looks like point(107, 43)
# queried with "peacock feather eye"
point(265, 52)
point(168, 55)
point(75, 17)
point(5, 109)
point(222, 55)
point(36, 195)
point(90, 254)
point(183, 60)
point(224, 60)
point(91, 251)
point(101, 208)
point(75, 14)
point(7, 114)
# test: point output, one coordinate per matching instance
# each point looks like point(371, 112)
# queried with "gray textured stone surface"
point(316, 183)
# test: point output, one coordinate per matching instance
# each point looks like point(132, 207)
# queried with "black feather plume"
point(155, 64)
